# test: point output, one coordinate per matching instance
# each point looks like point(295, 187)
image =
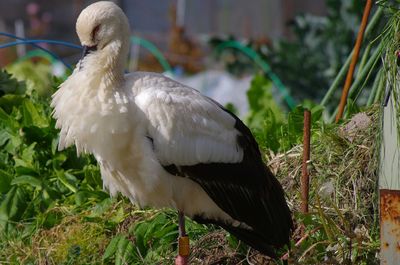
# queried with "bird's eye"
point(94, 32)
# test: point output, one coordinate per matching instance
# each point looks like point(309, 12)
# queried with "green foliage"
point(268, 123)
point(261, 101)
point(312, 58)
point(10, 85)
point(154, 239)
point(390, 37)
point(37, 76)
point(34, 175)
point(121, 249)
point(265, 117)
point(155, 233)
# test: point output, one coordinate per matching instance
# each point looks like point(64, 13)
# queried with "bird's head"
point(103, 27)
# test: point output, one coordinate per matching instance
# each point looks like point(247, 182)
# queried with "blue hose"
point(145, 43)
point(63, 43)
point(52, 54)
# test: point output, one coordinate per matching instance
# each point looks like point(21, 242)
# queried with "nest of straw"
point(343, 195)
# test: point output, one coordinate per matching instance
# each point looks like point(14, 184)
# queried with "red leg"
point(183, 243)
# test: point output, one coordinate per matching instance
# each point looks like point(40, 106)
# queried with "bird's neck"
point(109, 63)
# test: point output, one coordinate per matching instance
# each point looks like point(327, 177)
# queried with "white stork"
point(163, 144)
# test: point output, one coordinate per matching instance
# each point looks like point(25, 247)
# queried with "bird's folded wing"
point(187, 128)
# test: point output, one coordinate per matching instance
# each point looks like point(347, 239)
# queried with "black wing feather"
point(248, 192)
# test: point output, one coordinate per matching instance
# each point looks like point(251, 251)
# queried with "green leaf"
point(316, 113)
point(49, 219)
point(21, 163)
point(31, 115)
point(83, 196)
point(36, 75)
point(8, 102)
point(57, 160)
point(121, 248)
point(8, 121)
point(265, 116)
point(54, 145)
point(112, 247)
point(124, 251)
point(8, 84)
point(21, 170)
point(118, 216)
point(140, 232)
point(61, 176)
point(27, 180)
point(101, 207)
point(296, 124)
point(5, 181)
point(36, 134)
point(12, 207)
point(256, 92)
point(13, 144)
point(155, 225)
point(4, 137)
point(93, 176)
point(28, 154)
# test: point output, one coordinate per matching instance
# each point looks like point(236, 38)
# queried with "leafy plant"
point(33, 175)
point(265, 117)
point(37, 76)
point(272, 128)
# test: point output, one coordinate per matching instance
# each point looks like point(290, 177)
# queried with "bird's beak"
point(86, 50)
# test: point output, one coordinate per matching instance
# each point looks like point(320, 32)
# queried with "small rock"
point(360, 121)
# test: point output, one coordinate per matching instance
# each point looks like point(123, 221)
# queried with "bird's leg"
point(183, 241)
point(181, 224)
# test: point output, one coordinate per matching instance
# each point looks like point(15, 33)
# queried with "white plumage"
point(151, 135)
point(187, 127)
point(114, 123)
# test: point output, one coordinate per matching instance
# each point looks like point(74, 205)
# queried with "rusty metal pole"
point(389, 187)
point(305, 179)
point(357, 46)
point(390, 226)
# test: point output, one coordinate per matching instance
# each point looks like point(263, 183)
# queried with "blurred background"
point(210, 45)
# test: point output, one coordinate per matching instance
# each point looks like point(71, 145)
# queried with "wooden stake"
point(349, 77)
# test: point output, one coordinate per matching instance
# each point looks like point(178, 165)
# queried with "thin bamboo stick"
point(349, 77)
point(335, 84)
